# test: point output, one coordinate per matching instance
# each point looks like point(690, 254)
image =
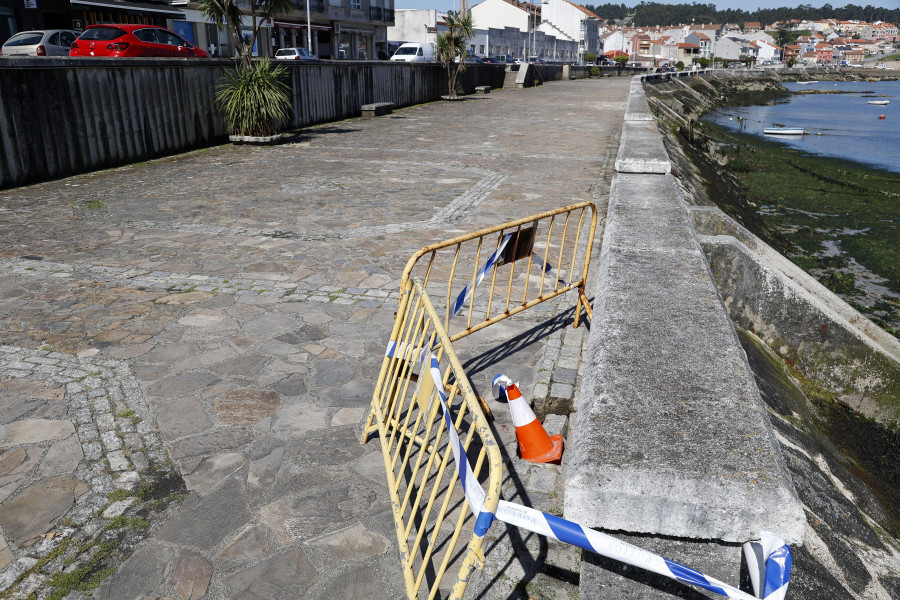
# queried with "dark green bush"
point(253, 100)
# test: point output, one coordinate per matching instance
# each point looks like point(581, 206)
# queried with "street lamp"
point(308, 28)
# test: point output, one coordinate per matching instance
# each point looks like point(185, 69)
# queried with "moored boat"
point(879, 102)
point(783, 130)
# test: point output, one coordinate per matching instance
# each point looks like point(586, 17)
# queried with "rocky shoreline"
point(838, 459)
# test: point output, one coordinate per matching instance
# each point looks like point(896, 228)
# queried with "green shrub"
point(253, 100)
point(595, 71)
point(679, 65)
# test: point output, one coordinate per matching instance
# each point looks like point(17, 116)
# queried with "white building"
point(423, 26)
point(576, 22)
point(505, 13)
point(612, 41)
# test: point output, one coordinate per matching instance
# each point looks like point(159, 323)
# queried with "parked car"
point(133, 41)
point(295, 54)
point(44, 42)
point(488, 59)
point(414, 52)
point(472, 59)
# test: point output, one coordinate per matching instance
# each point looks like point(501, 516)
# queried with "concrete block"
point(641, 149)
point(483, 89)
point(672, 435)
point(826, 344)
point(646, 212)
point(556, 425)
point(377, 109)
point(606, 578)
point(637, 108)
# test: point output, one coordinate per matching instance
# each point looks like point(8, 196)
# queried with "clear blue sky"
point(444, 5)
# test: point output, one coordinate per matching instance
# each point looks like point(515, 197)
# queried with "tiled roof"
point(584, 10)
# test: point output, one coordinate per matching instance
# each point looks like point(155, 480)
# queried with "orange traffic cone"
point(534, 443)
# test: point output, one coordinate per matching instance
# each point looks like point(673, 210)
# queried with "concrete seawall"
point(675, 450)
point(671, 433)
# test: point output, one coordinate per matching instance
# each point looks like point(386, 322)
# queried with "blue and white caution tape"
point(547, 267)
point(466, 292)
point(773, 569)
point(769, 563)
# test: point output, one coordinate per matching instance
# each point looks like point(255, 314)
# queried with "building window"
point(480, 49)
point(356, 4)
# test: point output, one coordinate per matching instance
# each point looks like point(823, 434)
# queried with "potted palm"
point(451, 48)
point(252, 96)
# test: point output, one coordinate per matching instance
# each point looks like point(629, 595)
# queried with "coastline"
point(831, 214)
point(825, 214)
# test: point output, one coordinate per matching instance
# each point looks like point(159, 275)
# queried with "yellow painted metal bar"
point(546, 255)
point(420, 483)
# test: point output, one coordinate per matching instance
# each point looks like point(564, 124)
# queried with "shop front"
point(293, 34)
point(355, 43)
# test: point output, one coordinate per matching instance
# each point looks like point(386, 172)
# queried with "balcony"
point(389, 15)
point(375, 13)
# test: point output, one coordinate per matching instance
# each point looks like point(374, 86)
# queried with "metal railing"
point(431, 514)
point(389, 15)
point(553, 249)
point(375, 13)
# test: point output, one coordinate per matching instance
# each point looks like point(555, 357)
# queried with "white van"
point(414, 52)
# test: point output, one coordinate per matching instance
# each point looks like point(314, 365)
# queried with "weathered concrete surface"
point(808, 332)
point(637, 108)
point(641, 150)
point(671, 434)
point(834, 455)
point(228, 310)
point(711, 221)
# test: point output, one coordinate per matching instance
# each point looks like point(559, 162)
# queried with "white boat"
point(783, 130)
point(879, 102)
point(805, 82)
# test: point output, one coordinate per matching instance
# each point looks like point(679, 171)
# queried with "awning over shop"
point(289, 25)
point(140, 8)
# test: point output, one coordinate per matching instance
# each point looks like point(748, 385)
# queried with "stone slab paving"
point(189, 346)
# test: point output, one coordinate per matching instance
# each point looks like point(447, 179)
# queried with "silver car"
point(295, 54)
point(46, 42)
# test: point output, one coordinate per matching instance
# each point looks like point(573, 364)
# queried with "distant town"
point(561, 31)
point(553, 31)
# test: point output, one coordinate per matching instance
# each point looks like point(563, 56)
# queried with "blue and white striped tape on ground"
point(775, 554)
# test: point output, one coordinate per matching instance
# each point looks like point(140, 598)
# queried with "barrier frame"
point(418, 333)
point(517, 226)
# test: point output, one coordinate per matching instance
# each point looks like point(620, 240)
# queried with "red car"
point(133, 40)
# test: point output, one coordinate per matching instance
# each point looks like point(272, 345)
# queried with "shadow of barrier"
point(426, 412)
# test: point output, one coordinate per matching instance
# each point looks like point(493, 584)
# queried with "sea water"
point(839, 125)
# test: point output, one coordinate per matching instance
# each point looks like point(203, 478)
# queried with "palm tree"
point(253, 98)
point(231, 13)
point(451, 46)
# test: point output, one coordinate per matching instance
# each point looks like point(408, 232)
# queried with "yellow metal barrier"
point(430, 510)
point(553, 249)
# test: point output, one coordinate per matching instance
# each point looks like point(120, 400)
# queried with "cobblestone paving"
point(189, 346)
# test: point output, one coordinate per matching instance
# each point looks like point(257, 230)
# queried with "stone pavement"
point(189, 346)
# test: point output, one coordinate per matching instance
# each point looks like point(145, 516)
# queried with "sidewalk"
point(188, 349)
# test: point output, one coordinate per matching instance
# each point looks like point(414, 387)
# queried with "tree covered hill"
point(654, 13)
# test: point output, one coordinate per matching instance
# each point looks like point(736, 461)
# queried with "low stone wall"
point(60, 116)
point(671, 434)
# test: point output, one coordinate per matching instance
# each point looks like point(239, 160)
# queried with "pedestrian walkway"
point(188, 349)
